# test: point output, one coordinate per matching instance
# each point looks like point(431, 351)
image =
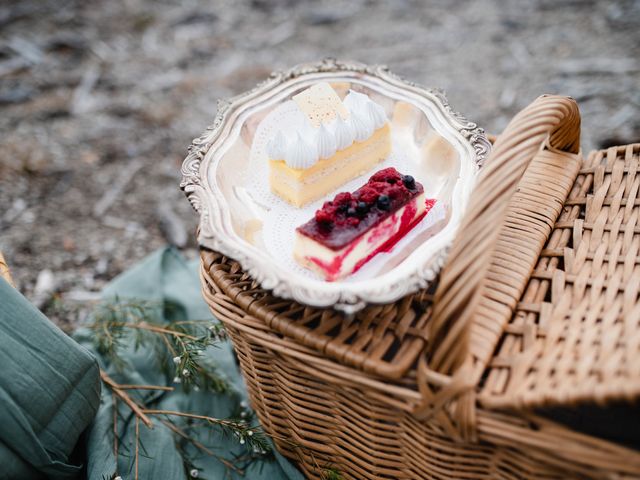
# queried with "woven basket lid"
point(575, 335)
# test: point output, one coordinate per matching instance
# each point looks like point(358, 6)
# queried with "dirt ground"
point(99, 100)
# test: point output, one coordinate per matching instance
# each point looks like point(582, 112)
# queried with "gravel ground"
point(100, 99)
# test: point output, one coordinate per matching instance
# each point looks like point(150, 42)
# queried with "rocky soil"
point(99, 100)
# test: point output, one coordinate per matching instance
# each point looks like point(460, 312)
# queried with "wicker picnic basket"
point(537, 309)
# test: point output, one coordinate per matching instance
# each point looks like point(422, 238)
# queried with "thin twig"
point(137, 445)
point(199, 445)
point(145, 387)
point(115, 427)
point(168, 344)
point(213, 420)
point(153, 328)
point(115, 388)
point(118, 186)
point(184, 435)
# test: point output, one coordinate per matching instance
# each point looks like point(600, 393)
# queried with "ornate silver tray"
point(221, 179)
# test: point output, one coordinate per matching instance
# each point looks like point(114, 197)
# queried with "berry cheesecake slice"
point(352, 228)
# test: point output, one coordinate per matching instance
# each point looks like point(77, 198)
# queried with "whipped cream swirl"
point(327, 143)
point(305, 146)
point(299, 154)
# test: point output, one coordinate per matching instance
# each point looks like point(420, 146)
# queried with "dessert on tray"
point(352, 228)
point(332, 141)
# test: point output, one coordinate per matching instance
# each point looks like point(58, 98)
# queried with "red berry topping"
point(350, 214)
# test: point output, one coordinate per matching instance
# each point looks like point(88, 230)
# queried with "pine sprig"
point(182, 341)
point(179, 348)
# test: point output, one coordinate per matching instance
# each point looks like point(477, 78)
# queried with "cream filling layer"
point(336, 264)
point(303, 189)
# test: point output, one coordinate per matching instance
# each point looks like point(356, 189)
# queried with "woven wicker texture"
point(381, 339)
point(357, 394)
point(323, 414)
point(512, 211)
point(576, 333)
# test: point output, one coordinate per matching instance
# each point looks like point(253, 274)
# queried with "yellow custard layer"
point(302, 186)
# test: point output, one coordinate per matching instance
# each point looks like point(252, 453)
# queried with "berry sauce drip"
point(349, 215)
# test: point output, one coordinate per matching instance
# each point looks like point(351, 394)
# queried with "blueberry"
point(361, 208)
point(343, 207)
point(383, 202)
point(409, 181)
point(325, 226)
point(351, 212)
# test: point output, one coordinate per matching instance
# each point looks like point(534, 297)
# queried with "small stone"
point(102, 266)
point(322, 16)
point(17, 95)
point(44, 288)
point(68, 244)
point(45, 282)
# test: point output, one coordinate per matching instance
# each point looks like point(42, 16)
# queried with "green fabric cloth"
point(49, 392)
point(167, 279)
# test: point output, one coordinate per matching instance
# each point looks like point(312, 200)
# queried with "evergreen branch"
point(174, 428)
point(214, 421)
point(179, 346)
point(145, 387)
point(253, 437)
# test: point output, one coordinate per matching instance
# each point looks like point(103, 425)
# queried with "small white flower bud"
point(250, 433)
point(243, 414)
point(194, 473)
point(176, 360)
point(185, 373)
point(118, 478)
point(176, 380)
point(242, 441)
point(244, 404)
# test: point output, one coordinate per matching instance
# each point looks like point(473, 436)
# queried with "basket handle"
point(456, 355)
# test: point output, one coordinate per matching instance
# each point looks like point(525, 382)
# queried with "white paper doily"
point(281, 220)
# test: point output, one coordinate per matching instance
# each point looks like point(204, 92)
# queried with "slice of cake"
point(352, 228)
point(332, 142)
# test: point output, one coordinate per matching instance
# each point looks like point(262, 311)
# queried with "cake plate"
point(222, 177)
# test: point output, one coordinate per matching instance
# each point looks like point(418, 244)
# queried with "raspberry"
point(324, 217)
point(388, 175)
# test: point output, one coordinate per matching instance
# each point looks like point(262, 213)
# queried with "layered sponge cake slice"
point(333, 142)
point(353, 227)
